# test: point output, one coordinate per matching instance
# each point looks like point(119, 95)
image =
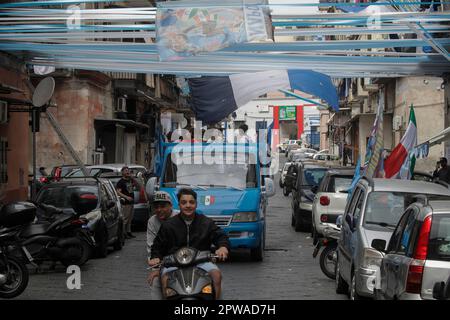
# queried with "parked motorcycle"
point(13, 270)
point(58, 235)
point(188, 282)
point(328, 255)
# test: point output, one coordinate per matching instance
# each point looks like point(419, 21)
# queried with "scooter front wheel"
point(327, 263)
point(16, 278)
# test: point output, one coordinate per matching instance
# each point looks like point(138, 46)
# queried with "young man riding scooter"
point(192, 230)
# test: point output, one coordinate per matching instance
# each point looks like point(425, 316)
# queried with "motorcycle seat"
point(35, 230)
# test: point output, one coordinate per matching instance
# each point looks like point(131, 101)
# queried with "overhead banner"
point(186, 28)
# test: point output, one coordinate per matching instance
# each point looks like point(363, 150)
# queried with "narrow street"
point(288, 271)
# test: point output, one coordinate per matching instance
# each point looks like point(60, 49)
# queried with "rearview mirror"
point(379, 244)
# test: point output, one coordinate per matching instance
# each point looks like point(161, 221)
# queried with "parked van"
point(230, 185)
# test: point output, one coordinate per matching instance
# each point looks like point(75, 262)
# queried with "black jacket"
point(175, 234)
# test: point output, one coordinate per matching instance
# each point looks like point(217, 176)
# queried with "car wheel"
point(102, 249)
point(285, 191)
point(341, 285)
point(292, 221)
point(298, 223)
point(281, 184)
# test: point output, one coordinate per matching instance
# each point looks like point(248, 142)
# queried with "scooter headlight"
point(207, 289)
point(184, 256)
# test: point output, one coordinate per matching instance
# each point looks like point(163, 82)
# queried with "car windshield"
point(439, 245)
point(299, 156)
point(385, 208)
point(188, 170)
point(313, 177)
point(60, 196)
point(340, 183)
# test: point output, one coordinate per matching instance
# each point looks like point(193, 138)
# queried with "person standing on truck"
point(125, 189)
point(163, 209)
point(190, 229)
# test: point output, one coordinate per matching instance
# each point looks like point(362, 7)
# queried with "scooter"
point(13, 270)
point(328, 256)
point(188, 282)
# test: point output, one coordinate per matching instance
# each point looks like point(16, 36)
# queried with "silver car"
point(330, 200)
point(418, 254)
point(372, 212)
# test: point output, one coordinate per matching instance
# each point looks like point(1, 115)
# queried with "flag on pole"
point(375, 145)
point(400, 163)
point(356, 177)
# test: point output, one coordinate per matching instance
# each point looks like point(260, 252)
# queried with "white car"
point(283, 173)
point(325, 157)
point(330, 200)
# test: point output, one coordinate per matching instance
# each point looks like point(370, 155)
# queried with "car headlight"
point(184, 256)
point(244, 217)
point(372, 258)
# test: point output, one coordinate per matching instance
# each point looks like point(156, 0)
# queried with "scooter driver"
point(192, 230)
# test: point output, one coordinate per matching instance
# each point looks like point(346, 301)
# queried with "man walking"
point(125, 189)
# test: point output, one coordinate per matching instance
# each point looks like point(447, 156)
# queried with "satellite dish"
point(43, 92)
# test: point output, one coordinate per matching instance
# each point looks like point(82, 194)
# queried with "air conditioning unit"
point(3, 112)
point(98, 158)
point(397, 123)
point(121, 104)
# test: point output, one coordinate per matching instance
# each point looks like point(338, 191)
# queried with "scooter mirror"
point(151, 187)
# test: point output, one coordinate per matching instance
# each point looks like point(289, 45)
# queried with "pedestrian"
point(190, 229)
point(125, 189)
point(442, 171)
point(163, 210)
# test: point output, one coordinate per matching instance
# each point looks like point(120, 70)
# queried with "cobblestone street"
point(287, 272)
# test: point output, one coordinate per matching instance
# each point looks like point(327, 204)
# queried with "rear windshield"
point(439, 245)
point(313, 177)
point(339, 183)
point(60, 196)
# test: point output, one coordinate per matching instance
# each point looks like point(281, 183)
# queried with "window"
point(3, 160)
point(397, 235)
point(439, 245)
point(358, 207)
point(339, 183)
point(352, 203)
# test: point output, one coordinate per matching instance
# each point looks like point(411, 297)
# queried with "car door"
point(345, 248)
point(393, 264)
point(110, 213)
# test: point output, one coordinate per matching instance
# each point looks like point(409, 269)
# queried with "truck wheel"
point(257, 254)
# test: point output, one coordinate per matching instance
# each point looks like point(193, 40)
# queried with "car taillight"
point(323, 218)
point(142, 197)
point(43, 179)
point(58, 174)
point(415, 271)
point(324, 201)
point(88, 196)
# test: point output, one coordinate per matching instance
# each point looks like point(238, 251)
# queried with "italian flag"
point(400, 163)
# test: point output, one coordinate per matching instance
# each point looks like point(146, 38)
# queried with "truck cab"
point(230, 185)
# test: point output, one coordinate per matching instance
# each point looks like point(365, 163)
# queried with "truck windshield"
point(188, 170)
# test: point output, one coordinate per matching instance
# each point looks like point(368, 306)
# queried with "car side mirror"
point(379, 244)
point(339, 221)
